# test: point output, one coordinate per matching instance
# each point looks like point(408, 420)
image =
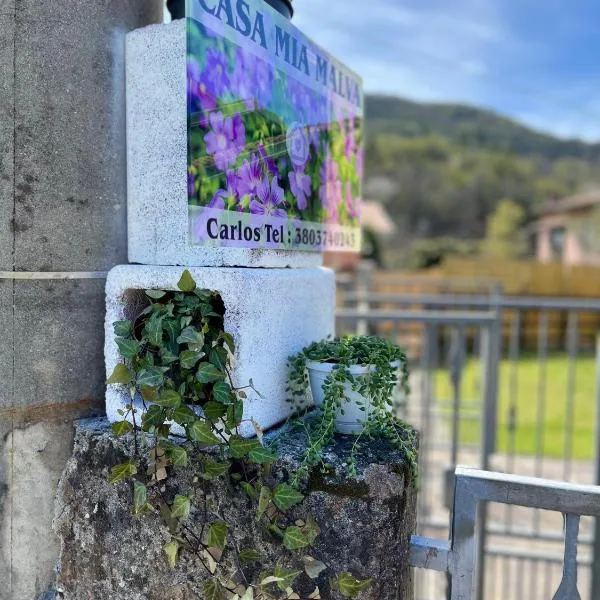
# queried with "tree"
point(505, 237)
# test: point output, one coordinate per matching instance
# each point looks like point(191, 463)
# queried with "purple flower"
point(216, 75)
point(226, 140)
point(300, 185)
point(191, 184)
point(262, 80)
point(352, 206)
point(269, 162)
point(350, 145)
point(242, 79)
point(200, 99)
point(270, 198)
point(331, 188)
point(315, 137)
point(218, 200)
point(249, 176)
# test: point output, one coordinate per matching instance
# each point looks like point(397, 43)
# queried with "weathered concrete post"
point(62, 209)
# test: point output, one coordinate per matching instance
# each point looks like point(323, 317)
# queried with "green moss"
point(318, 482)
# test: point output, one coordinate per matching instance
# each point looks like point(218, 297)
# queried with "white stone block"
point(271, 313)
point(157, 201)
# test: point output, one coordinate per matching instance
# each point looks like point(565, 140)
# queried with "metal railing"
point(473, 488)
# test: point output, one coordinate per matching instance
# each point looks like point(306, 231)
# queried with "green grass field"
point(526, 400)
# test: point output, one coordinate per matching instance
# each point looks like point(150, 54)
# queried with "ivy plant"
point(183, 409)
point(389, 367)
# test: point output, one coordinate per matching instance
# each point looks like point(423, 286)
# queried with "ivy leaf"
point(348, 586)
point(166, 356)
point(213, 469)
point(249, 556)
point(186, 283)
point(200, 431)
point(178, 456)
point(121, 374)
point(262, 455)
point(183, 415)
point(151, 377)
point(294, 539)
point(154, 329)
point(249, 489)
point(285, 576)
point(140, 496)
point(121, 472)
point(313, 567)
point(217, 535)
point(207, 373)
point(240, 446)
point(235, 414)
point(123, 328)
point(190, 335)
point(218, 357)
point(181, 507)
point(189, 358)
point(214, 410)
point(222, 392)
point(149, 394)
point(127, 348)
point(121, 428)
point(213, 590)
point(156, 294)
point(285, 496)
point(228, 339)
point(168, 399)
point(153, 417)
point(171, 550)
point(263, 501)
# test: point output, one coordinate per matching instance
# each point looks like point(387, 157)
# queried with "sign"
point(275, 154)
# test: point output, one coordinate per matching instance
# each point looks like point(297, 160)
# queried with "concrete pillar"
point(62, 209)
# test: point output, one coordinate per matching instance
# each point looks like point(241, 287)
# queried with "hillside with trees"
point(442, 170)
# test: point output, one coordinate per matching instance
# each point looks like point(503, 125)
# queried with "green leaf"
point(294, 539)
point(240, 446)
point(151, 377)
point(171, 550)
point(140, 496)
point(121, 374)
point(348, 586)
point(213, 590)
point(189, 358)
point(167, 357)
point(235, 413)
point(184, 415)
point(200, 431)
point(263, 501)
point(214, 410)
point(168, 399)
point(286, 577)
point(153, 417)
point(285, 496)
point(217, 535)
point(249, 556)
point(213, 469)
point(249, 489)
point(222, 392)
point(190, 335)
point(178, 456)
point(181, 507)
point(186, 283)
point(149, 394)
point(156, 294)
point(218, 357)
point(127, 348)
point(262, 455)
point(228, 338)
point(313, 567)
point(121, 472)
point(154, 330)
point(123, 328)
point(207, 372)
point(121, 428)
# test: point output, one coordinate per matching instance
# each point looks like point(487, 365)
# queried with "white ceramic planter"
point(353, 419)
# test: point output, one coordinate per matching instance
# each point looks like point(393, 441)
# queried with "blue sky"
point(537, 61)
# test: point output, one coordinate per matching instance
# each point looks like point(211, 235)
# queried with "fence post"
point(596, 558)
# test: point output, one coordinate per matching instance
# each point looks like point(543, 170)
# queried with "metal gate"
point(488, 393)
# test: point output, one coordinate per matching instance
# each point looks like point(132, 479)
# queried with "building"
point(568, 230)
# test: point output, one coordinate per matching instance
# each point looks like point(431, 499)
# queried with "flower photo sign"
point(275, 140)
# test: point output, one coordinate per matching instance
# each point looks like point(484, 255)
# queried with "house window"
point(557, 242)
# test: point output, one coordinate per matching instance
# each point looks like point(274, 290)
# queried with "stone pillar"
point(62, 209)
point(365, 523)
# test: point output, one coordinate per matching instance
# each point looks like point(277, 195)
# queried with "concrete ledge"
point(271, 313)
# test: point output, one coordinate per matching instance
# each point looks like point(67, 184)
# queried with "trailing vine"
point(388, 366)
point(183, 406)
